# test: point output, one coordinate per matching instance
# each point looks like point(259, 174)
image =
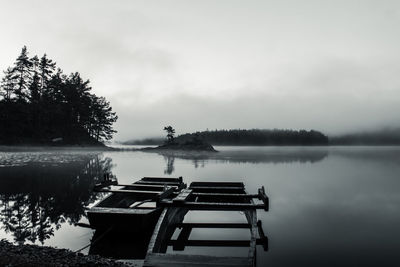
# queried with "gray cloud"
point(331, 66)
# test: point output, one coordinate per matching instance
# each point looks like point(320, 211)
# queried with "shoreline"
point(34, 255)
point(38, 148)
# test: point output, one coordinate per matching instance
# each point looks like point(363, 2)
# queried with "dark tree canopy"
point(257, 137)
point(39, 104)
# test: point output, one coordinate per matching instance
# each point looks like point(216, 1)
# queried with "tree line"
point(41, 104)
point(258, 137)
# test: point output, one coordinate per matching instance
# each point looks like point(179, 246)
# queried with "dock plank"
point(214, 225)
point(162, 179)
point(130, 191)
point(212, 184)
point(183, 195)
point(169, 260)
point(157, 183)
point(228, 188)
point(211, 205)
point(182, 238)
point(120, 210)
point(158, 186)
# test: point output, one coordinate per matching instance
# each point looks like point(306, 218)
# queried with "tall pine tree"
point(22, 75)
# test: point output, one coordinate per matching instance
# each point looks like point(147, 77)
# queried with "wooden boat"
point(132, 207)
point(206, 196)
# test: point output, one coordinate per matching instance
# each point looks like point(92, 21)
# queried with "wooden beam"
point(251, 216)
point(166, 193)
point(263, 239)
point(214, 225)
point(262, 196)
point(212, 184)
point(164, 229)
point(119, 211)
point(183, 195)
point(182, 238)
point(126, 191)
point(211, 205)
point(173, 260)
point(158, 186)
point(225, 195)
point(228, 188)
point(208, 243)
point(158, 183)
point(162, 179)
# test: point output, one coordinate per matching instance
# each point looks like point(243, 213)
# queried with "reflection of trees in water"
point(169, 169)
point(170, 160)
point(198, 163)
point(199, 159)
point(35, 199)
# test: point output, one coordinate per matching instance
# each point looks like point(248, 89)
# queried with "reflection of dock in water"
point(200, 196)
point(120, 245)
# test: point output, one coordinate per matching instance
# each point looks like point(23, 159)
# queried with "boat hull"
point(124, 219)
point(132, 208)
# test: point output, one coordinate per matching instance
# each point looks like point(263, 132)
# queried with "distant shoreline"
point(27, 148)
point(38, 148)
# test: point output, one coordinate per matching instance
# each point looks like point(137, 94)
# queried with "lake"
point(329, 206)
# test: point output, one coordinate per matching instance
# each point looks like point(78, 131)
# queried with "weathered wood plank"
point(154, 243)
point(262, 196)
point(251, 216)
point(208, 243)
point(166, 193)
point(227, 188)
point(165, 228)
point(119, 210)
point(158, 183)
point(263, 239)
point(183, 237)
point(158, 186)
point(212, 184)
point(183, 195)
point(162, 179)
point(210, 205)
point(214, 225)
point(169, 260)
point(225, 195)
point(130, 191)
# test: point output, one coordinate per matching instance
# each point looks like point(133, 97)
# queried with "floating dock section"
point(159, 205)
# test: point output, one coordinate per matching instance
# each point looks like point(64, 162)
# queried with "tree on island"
point(39, 103)
point(194, 144)
point(170, 134)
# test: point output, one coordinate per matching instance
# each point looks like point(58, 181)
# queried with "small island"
point(193, 144)
point(236, 137)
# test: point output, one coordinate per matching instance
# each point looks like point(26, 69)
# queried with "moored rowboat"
point(133, 207)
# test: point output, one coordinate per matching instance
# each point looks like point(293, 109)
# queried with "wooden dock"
point(172, 201)
point(206, 196)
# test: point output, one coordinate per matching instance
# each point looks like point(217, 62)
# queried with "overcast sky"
point(333, 66)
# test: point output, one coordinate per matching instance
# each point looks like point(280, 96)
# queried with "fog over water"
point(327, 65)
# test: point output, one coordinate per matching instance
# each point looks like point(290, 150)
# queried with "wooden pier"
point(173, 201)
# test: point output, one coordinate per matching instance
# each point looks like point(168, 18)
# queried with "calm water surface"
point(329, 206)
